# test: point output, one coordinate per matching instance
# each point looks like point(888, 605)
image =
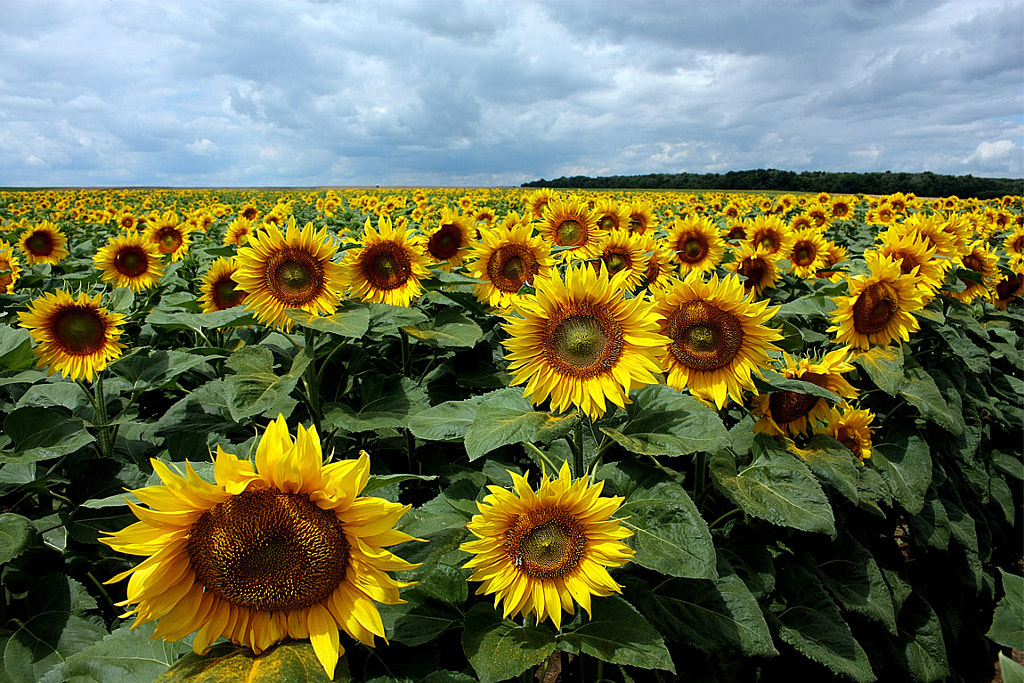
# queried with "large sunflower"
point(537, 552)
point(581, 342)
point(75, 337)
point(219, 290)
point(449, 241)
point(281, 548)
point(388, 267)
point(537, 200)
point(611, 215)
point(569, 223)
point(879, 307)
point(697, 244)
point(793, 411)
point(43, 243)
point(168, 236)
point(507, 258)
point(809, 253)
point(912, 250)
point(130, 260)
point(8, 263)
point(716, 336)
point(278, 271)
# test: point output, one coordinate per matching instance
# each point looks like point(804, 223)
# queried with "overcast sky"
point(186, 93)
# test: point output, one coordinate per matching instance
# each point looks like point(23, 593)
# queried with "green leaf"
point(920, 390)
point(381, 481)
point(775, 486)
point(386, 404)
point(617, 633)
point(920, 645)
point(448, 421)
point(1007, 627)
point(16, 535)
point(15, 349)
point(385, 319)
point(505, 417)
point(962, 526)
point(773, 381)
point(854, 578)
point(1011, 671)
point(906, 466)
point(198, 322)
point(833, 463)
point(65, 394)
point(289, 662)
point(663, 421)
point(884, 365)
point(811, 623)
point(449, 328)
point(670, 536)
point(254, 388)
point(931, 525)
point(43, 434)
point(351, 320)
point(127, 655)
point(498, 648)
point(150, 368)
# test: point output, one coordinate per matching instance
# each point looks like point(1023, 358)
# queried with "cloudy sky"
point(184, 93)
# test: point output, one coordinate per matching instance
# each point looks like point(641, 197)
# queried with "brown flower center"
point(131, 261)
point(445, 243)
point(169, 240)
point(40, 243)
point(570, 233)
point(615, 261)
point(875, 308)
point(79, 331)
point(510, 266)
point(804, 253)
point(294, 276)
point(546, 543)
point(582, 341)
point(692, 250)
point(226, 294)
point(704, 337)
point(386, 266)
point(787, 406)
point(754, 270)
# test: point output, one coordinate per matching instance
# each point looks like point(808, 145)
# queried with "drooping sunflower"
point(569, 223)
point(771, 233)
point(293, 269)
point(219, 290)
point(757, 266)
point(281, 548)
point(168, 236)
point(43, 243)
point(808, 253)
point(852, 428)
point(717, 336)
point(388, 267)
point(507, 258)
point(985, 263)
point(697, 244)
point(75, 337)
point(539, 552)
point(624, 251)
point(9, 263)
point(581, 342)
point(448, 242)
point(661, 264)
point(791, 411)
point(129, 260)
point(238, 231)
point(879, 307)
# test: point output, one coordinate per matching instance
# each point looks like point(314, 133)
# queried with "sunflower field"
point(453, 435)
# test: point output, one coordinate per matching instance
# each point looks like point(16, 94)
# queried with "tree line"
point(924, 184)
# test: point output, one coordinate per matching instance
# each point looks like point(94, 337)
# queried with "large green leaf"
point(254, 388)
point(775, 486)
point(905, 464)
point(198, 322)
point(920, 644)
point(42, 434)
point(505, 417)
point(617, 633)
point(386, 319)
point(16, 534)
point(499, 649)
point(128, 655)
point(449, 328)
point(448, 421)
point(920, 390)
point(15, 349)
point(931, 526)
point(289, 662)
point(884, 365)
point(386, 404)
point(351, 320)
point(663, 421)
point(854, 578)
point(670, 536)
point(1011, 671)
point(154, 368)
point(833, 463)
point(772, 381)
point(1008, 620)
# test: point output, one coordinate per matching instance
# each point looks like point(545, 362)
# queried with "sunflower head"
point(569, 223)
point(794, 411)
point(130, 260)
point(9, 269)
point(539, 552)
point(697, 244)
point(43, 243)
point(238, 231)
point(879, 307)
point(218, 290)
point(169, 237)
point(808, 253)
point(757, 266)
point(388, 267)
point(852, 428)
point(507, 258)
point(449, 241)
point(625, 251)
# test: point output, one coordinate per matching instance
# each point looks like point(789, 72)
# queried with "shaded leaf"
point(289, 662)
point(16, 534)
point(15, 349)
point(352, 320)
point(449, 328)
point(920, 645)
point(446, 421)
point(617, 633)
point(505, 417)
point(127, 655)
point(920, 390)
point(884, 365)
point(906, 466)
point(663, 421)
point(42, 434)
point(1008, 620)
point(499, 649)
point(856, 581)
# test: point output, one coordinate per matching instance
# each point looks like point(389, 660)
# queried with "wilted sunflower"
point(879, 307)
point(388, 267)
point(852, 428)
point(129, 260)
point(808, 253)
point(281, 548)
point(506, 258)
point(168, 236)
point(757, 266)
point(238, 231)
point(983, 262)
point(771, 233)
point(75, 337)
point(697, 245)
point(450, 240)
point(278, 271)
point(219, 291)
point(624, 251)
point(538, 552)
point(581, 342)
point(569, 223)
point(9, 263)
point(43, 243)
point(717, 336)
point(792, 411)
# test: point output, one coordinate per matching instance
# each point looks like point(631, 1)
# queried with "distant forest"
point(924, 184)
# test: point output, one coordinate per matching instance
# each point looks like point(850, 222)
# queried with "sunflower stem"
point(99, 404)
point(577, 449)
point(700, 478)
point(311, 381)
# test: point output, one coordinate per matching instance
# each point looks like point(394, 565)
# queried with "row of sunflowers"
point(762, 424)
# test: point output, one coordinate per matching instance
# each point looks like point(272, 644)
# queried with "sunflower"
point(126, 220)
point(9, 269)
point(249, 212)
point(279, 270)
point(792, 411)
point(507, 258)
point(983, 262)
point(931, 229)
point(75, 337)
point(879, 306)
point(1013, 243)
point(449, 242)
point(661, 264)
point(611, 215)
point(771, 233)
point(641, 217)
point(697, 244)
point(388, 267)
point(808, 253)
point(238, 231)
point(624, 251)
point(537, 200)
point(716, 336)
point(540, 551)
point(834, 255)
point(759, 268)
point(852, 428)
point(842, 207)
point(130, 260)
point(219, 291)
point(569, 223)
point(1010, 286)
point(168, 236)
point(281, 548)
point(581, 342)
point(43, 243)
point(912, 250)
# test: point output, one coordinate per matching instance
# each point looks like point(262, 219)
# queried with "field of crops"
point(454, 435)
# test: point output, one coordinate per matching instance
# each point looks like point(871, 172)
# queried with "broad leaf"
point(919, 388)
point(16, 534)
point(145, 370)
point(15, 349)
point(42, 434)
point(833, 463)
point(449, 328)
point(499, 649)
point(906, 466)
point(920, 645)
point(617, 633)
point(292, 661)
point(351, 320)
point(884, 365)
point(448, 421)
point(505, 417)
point(128, 655)
point(663, 421)
point(856, 581)
point(1008, 620)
